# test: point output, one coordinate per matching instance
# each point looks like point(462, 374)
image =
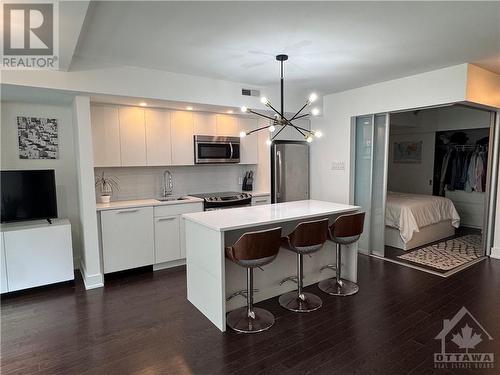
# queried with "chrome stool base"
point(240, 321)
point(341, 288)
point(292, 302)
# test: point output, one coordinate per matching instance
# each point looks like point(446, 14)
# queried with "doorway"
point(414, 174)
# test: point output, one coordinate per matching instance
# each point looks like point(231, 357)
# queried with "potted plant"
point(107, 185)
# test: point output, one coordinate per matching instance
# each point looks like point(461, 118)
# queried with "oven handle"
point(278, 156)
point(231, 146)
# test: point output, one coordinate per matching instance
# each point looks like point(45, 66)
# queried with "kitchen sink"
point(167, 199)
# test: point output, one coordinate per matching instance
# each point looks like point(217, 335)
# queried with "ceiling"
point(333, 46)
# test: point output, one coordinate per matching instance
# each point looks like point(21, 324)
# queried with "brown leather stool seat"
point(253, 249)
point(306, 238)
point(345, 230)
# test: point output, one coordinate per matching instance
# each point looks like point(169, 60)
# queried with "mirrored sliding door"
point(370, 178)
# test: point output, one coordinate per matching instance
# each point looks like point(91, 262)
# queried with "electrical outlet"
point(240, 180)
point(338, 166)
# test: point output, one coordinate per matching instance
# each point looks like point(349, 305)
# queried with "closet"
point(460, 166)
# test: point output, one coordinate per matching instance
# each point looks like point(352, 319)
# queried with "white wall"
point(432, 88)
point(147, 182)
point(413, 178)
point(65, 166)
point(90, 266)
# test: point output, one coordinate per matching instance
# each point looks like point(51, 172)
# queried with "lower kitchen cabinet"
point(143, 236)
point(127, 238)
point(167, 239)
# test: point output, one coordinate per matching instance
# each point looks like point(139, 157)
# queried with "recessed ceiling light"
point(189, 108)
point(143, 104)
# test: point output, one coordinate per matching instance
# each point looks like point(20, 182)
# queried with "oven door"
point(222, 205)
point(214, 150)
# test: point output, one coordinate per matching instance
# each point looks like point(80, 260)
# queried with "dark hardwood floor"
point(143, 324)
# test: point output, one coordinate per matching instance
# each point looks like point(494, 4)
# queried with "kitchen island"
point(211, 278)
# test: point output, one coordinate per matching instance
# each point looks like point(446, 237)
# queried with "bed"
point(413, 220)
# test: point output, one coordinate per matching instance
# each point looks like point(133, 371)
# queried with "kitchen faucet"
point(168, 185)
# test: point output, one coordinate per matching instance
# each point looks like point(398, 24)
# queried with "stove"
point(226, 199)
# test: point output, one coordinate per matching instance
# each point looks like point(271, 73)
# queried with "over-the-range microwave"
point(216, 150)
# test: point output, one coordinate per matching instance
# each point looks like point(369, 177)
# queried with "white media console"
point(35, 253)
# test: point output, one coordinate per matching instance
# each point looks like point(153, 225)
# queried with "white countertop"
point(245, 217)
point(116, 205)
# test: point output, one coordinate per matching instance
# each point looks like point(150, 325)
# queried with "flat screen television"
point(28, 195)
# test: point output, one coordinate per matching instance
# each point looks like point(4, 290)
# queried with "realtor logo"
point(463, 343)
point(30, 35)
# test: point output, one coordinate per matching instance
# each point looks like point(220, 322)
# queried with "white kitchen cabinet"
point(3, 268)
point(158, 142)
point(204, 124)
point(227, 126)
point(167, 239)
point(182, 132)
point(127, 238)
point(169, 230)
point(132, 136)
point(105, 135)
point(37, 254)
point(249, 145)
point(262, 199)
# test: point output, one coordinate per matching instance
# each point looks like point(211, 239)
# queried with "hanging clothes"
point(445, 171)
point(460, 165)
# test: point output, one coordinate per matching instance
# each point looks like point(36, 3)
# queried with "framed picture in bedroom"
point(408, 152)
point(38, 138)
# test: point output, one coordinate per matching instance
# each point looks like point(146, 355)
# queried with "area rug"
point(448, 254)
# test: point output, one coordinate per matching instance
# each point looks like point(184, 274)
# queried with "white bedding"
point(410, 212)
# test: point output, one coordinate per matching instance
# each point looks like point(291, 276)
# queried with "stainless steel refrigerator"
point(289, 171)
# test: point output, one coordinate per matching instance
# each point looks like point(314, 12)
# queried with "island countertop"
point(245, 217)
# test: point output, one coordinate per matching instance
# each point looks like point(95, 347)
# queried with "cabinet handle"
point(166, 218)
point(127, 211)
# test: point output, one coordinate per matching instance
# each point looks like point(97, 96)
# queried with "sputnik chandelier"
point(279, 118)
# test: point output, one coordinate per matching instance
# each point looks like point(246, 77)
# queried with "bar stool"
point(306, 238)
point(345, 230)
point(253, 249)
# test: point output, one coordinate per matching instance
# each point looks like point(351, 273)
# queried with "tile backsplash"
point(147, 182)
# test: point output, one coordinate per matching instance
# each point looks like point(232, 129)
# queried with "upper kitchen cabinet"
point(158, 142)
point(249, 145)
point(227, 126)
point(105, 136)
point(132, 136)
point(182, 132)
point(204, 124)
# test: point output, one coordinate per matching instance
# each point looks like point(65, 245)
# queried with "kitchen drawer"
point(127, 238)
point(177, 209)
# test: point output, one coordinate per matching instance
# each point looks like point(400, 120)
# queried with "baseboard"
point(91, 281)
point(495, 252)
point(174, 263)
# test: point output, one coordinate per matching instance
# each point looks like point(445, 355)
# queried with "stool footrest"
point(242, 293)
point(329, 266)
point(289, 278)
